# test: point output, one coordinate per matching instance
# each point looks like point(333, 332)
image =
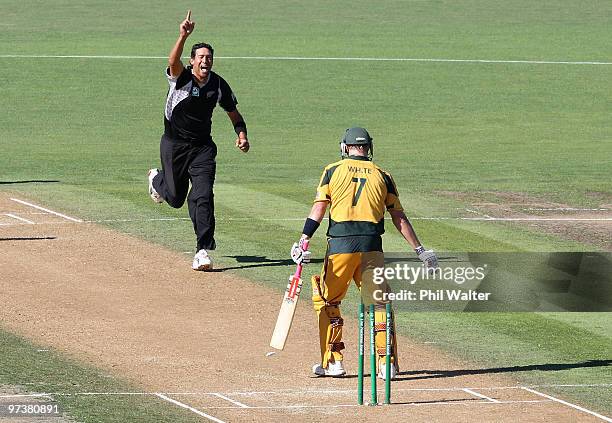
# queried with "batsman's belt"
point(354, 244)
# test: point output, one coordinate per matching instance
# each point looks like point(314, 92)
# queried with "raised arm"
point(174, 58)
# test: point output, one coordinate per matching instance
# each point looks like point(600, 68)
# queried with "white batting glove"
point(299, 254)
point(428, 257)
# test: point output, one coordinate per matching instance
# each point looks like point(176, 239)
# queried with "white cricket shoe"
point(334, 369)
point(154, 194)
point(202, 261)
point(382, 373)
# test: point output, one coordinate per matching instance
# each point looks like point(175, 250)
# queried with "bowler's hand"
point(186, 27)
point(243, 144)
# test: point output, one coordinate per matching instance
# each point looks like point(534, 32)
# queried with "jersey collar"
point(364, 158)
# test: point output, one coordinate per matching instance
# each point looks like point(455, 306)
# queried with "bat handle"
point(298, 270)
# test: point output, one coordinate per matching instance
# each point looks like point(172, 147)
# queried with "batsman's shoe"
point(202, 261)
point(154, 194)
point(382, 373)
point(334, 369)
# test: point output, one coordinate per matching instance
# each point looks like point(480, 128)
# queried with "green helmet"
point(356, 136)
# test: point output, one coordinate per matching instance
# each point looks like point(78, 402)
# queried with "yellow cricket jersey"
point(359, 193)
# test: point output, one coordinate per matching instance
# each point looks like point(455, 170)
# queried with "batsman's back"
point(359, 193)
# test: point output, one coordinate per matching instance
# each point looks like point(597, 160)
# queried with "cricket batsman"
point(357, 193)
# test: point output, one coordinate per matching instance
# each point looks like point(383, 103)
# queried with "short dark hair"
point(199, 46)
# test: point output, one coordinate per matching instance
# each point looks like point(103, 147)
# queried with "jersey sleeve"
point(323, 191)
point(227, 100)
point(180, 80)
point(392, 201)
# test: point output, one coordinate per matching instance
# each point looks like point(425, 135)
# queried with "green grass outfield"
point(544, 130)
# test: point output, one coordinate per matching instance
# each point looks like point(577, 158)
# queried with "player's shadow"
point(549, 367)
point(440, 401)
point(30, 181)
point(261, 261)
point(28, 238)
point(346, 376)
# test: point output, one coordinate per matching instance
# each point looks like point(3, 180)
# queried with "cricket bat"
point(287, 310)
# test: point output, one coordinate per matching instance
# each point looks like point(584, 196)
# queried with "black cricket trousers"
point(184, 162)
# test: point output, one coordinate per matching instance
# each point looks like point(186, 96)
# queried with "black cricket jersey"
point(189, 107)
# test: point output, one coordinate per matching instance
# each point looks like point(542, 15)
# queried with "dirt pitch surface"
point(138, 311)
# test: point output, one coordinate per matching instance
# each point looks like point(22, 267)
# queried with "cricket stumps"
point(373, 355)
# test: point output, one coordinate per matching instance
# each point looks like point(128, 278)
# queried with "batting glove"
point(299, 254)
point(428, 257)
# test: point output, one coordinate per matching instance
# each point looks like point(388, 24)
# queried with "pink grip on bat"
point(298, 270)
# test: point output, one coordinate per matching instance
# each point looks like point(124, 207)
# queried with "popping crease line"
point(405, 404)
point(316, 391)
point(327, 406)
point(240, 406)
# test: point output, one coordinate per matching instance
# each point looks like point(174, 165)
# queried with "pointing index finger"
point(188, 18)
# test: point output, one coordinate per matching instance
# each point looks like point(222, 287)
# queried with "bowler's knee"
point(201, 194)
point(175, 202)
